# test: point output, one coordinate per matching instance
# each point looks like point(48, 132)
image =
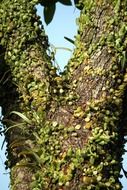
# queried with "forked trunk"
point(69, 131)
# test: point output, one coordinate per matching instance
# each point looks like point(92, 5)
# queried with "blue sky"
point(63, 24)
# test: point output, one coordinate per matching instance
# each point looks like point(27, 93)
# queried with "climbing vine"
point(67, 130)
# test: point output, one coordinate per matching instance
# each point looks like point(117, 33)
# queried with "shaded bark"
point(75, 131)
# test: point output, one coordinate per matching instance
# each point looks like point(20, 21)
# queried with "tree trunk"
point(70, 133)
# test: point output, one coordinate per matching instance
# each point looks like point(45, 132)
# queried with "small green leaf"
point(21, 116)
point(117, 7)
point(124, 171)
point(18, 125)
point(47, 3)
point(63, 48)
point(30, 152)
point(76, 1)
point(78, 5)
point(68, 39)
point(3, 143)
point(65, 2)
point(49, 13)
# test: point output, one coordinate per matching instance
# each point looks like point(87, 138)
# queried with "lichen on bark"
point(74, 135)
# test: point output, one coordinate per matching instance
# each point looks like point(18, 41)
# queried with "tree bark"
point(72, 134)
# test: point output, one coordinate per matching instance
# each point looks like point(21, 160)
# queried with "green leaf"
point(76, 1)
point(78, 5)
point(19, 125)
point(49, 13)
point(63, 48)
point(21, 116)
point(30, 152)
point(47, 3)
point(70, 40)
point(124, 171)
point(3, 143)
point(65, 2)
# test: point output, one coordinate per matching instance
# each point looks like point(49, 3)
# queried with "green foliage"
point(65, 2)
point(48, 3)
point(22, 116)
point(78, 4)
point(68, 39)
point(49, 13)
point(50, 7)
point(57, 148)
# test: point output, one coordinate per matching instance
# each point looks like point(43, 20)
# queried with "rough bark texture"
point(72, 134)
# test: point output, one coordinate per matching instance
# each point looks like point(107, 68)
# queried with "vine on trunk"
point(71, 132)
